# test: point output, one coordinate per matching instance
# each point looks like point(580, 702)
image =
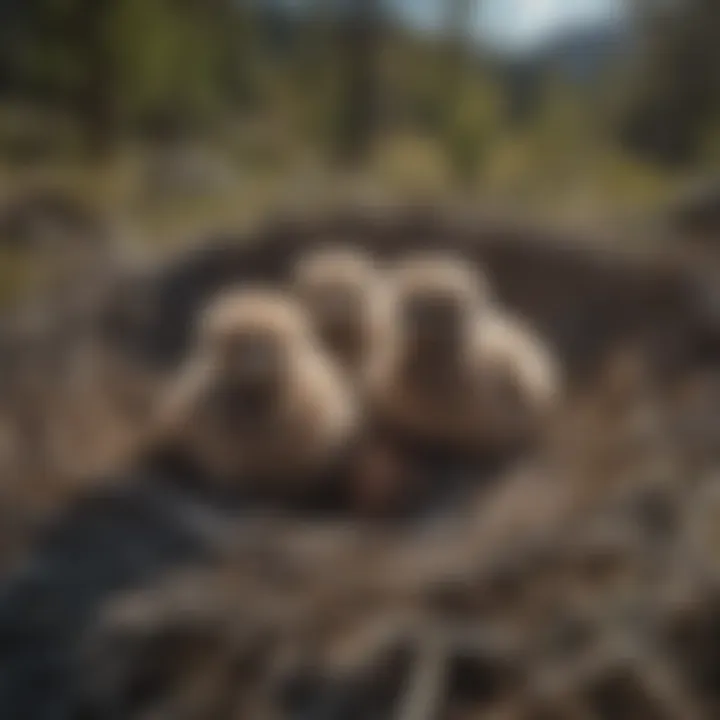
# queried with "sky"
point(522, 23)
point(517, 25)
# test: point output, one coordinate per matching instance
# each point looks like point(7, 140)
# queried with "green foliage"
point(166, 57)
point(125, 63)
point(472, 126)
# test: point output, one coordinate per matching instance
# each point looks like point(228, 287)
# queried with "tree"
point(119, 63)
point(360, 31)
point(676, 99)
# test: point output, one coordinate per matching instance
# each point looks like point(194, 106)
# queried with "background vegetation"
point(175, 111)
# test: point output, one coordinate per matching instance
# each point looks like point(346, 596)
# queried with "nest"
point(579, 583)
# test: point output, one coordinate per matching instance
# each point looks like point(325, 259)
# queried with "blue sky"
point(520, 24)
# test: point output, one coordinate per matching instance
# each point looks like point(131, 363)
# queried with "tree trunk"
point(360, 44)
